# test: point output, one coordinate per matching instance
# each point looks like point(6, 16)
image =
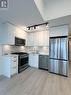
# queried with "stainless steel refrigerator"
point(58, 54)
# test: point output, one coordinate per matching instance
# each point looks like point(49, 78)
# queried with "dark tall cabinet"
point(43, 61)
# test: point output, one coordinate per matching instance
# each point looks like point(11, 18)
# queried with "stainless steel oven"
point(23, 62)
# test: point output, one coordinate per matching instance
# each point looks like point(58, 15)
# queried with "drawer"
point(14, 61)
point(14, 57)
point(14, 70)
point(14, 64)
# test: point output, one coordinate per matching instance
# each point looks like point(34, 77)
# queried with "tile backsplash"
point(38, 49)
point(6, 49)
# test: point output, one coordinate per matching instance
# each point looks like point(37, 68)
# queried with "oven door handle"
point(23, 56)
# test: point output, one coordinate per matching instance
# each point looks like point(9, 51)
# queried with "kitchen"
point(33, 45)
point(35, 58)
point(37, 50)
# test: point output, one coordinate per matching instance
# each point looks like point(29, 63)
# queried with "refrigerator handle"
point(53, 52)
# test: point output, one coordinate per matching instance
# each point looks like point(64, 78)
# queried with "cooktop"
point(19, 53)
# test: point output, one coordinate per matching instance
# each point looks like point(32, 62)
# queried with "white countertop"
point(38, 53)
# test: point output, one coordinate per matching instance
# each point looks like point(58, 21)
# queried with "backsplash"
point(6, 49)
point(38, 49)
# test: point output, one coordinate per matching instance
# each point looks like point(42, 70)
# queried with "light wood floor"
point(35, 82)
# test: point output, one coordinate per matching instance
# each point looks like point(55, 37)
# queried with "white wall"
point(58, 31)
point(52, 9)
point(1, 30)
point(0, 59)
point(40, 6)
point(57, 8)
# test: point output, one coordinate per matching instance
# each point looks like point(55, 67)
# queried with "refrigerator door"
point(63, 68)
point(58, 67)
point(53, 66)
point(64, 49)
point(53, 52)
point(51, 49)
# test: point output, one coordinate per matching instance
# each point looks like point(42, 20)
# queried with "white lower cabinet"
point(33, 60)
point(10, 65)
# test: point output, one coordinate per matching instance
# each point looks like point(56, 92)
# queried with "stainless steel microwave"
point(19, 41)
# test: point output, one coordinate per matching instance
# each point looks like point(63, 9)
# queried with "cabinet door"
point(43, 61)
point(59, 31)
point(46, 38)
point(14, 70)
point(36, 41)
point(20, 33)
point(40, 38)
point(33, 60)
point(6, 66)
point(30, 39)
point(8, 34)
point(43, 38)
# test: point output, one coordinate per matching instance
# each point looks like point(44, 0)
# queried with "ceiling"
point(31, 12)
point(52, 9)
point(21, 12)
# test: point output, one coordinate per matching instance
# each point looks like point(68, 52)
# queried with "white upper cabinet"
point(30, 39)
point(46, 38)
point(20, 33)
point(8, 33)
point(43, 38)
point(36, 42)
point(38, 38)
point(59, 31)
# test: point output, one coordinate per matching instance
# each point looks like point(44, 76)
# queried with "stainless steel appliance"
point(58, 54)
point(19, 41)
point(22, 61)
point(43, 62)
